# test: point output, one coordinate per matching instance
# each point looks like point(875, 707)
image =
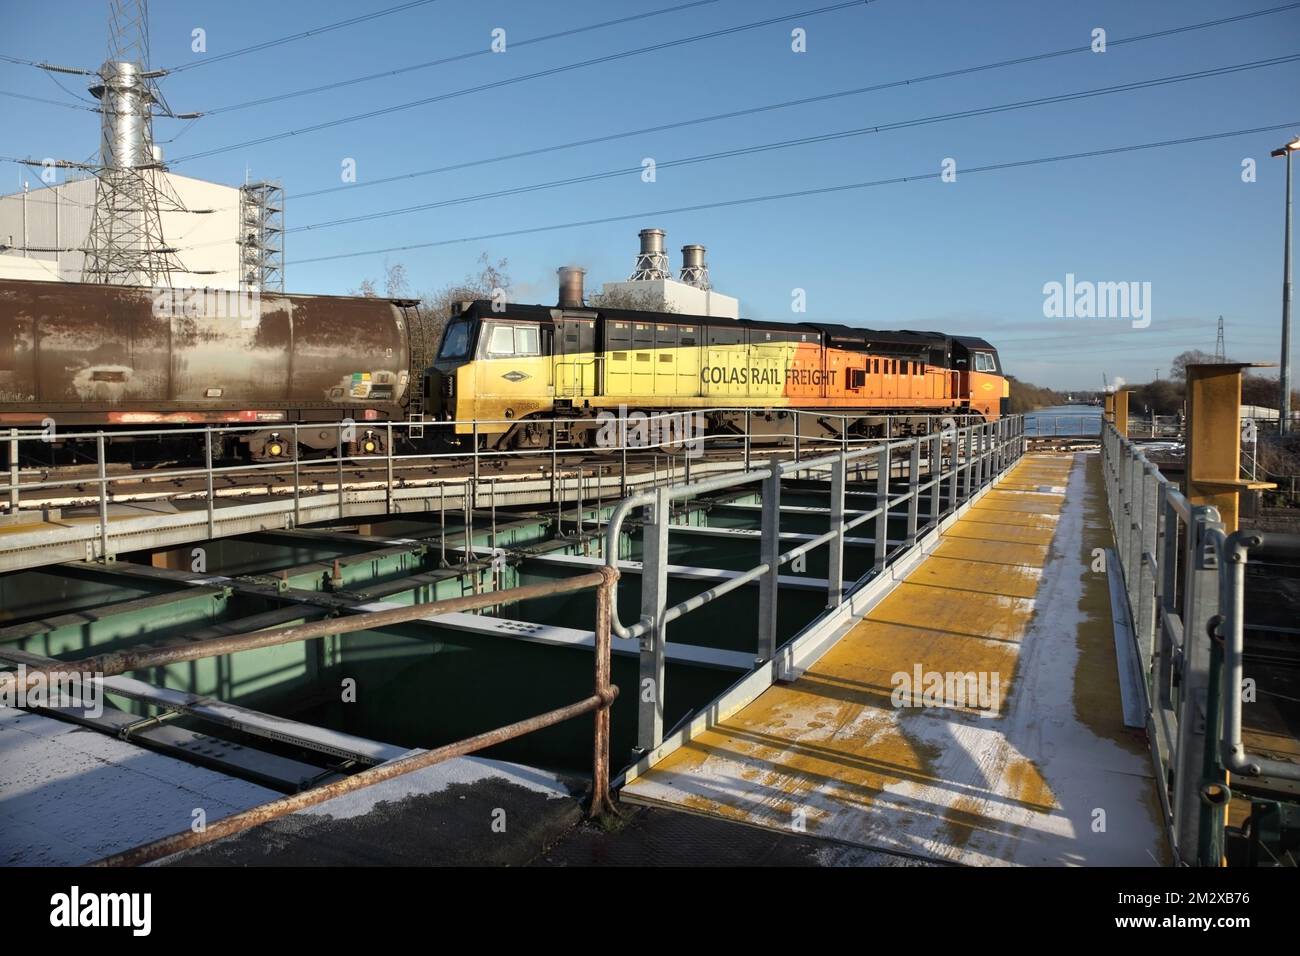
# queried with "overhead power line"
point(304, 34)
point(801, 193)
point(523, 78)
point(804, 101)
point(806, 140)
point(48, 102)
point(457, 58)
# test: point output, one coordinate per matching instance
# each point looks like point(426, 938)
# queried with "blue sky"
point(970, 256)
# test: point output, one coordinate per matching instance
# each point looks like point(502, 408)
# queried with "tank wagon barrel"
point(80, 354)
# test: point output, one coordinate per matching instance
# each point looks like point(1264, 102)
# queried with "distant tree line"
point(1166, 396)
point(1026, 397)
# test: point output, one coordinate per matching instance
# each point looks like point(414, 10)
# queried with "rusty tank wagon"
point(79, 356)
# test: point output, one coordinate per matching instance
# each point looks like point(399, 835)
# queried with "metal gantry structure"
point(261, 236)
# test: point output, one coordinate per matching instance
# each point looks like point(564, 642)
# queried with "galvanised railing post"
point(990, 449)
point(338, 458)
point(1162, 694)
point(555, 457)
point(936, 478)
point(13, 471)
point(207, 464)
point(770, 554)
point(747, 442)
point(969, 463)
point(983, 474)
point(1133, 575)
point(296, 493)
point(954, 469)
point(1122, 477)
point(1200, 603)
point(388, 448)
point(468, 500)
point(654, 601)
point(101, 461)
point(913, 491)
point(474, 439)
point(835, 565)
point(882, 503)
point(1150, 574)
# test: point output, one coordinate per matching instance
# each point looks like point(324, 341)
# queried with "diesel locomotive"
point(514, 368)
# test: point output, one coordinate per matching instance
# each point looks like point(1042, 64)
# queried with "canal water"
point(1064, 420)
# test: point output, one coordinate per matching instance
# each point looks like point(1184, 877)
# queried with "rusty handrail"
point(604, 581)
point(121, 662)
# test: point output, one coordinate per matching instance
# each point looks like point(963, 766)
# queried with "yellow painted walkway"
point(1036, 769)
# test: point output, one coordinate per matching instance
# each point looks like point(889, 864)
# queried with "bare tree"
point(491, 280)
point(1178, 367)
point(642, 300)
point(395, 284)
point(366, 289)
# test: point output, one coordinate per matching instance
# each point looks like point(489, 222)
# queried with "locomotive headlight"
point(369, 446)
point(275, 449)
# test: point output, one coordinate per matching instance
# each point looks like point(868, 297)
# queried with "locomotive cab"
point(981, 381)
point(455, 350)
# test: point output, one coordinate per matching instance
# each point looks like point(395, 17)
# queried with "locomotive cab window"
point(456, 340)
point(984, 362)
point(509, 340)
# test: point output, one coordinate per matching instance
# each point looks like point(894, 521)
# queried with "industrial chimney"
point(695, 270)
point(571, 296)
point(651, 261)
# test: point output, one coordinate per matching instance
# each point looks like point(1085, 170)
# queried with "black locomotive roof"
point(973, 342)
point(482, 308)
point(839, 336)
point(904, 340)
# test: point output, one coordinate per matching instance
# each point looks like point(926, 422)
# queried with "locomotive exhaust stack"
point(571, 287)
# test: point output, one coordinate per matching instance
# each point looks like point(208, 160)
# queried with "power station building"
point(44, 230)
point(651, 284)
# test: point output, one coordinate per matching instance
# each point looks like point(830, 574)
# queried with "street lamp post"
point(1284, 374)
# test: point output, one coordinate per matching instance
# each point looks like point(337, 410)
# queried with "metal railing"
point(475, 459)
point(1184, 584)
point(974, 457)
point(604, 581)
point(1077, 425)
point(390, 470)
